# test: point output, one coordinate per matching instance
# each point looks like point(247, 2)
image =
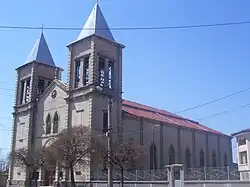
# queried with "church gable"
point(51, 110)
point(55, 89)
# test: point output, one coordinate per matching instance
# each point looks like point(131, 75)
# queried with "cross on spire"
point(42, 28)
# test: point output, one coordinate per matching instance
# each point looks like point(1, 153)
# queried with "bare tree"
point(124, 156)
point(32, 161)
point(4, 163)
point(70, 148)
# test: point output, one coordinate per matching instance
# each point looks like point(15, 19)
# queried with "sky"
point(170, 69)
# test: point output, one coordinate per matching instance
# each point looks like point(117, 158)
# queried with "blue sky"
point(171, 69)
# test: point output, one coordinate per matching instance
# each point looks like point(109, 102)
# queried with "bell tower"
point(33, 78)
point(95, 75)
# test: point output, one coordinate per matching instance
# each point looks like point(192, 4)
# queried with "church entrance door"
point(49, 177)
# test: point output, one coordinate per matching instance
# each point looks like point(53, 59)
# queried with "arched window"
point(188, 158)
point(171, 154)
point(202, 158)
point(153, 156)
point(48, 124)
point(55, 123)
point(225, 161)
point(214, 161)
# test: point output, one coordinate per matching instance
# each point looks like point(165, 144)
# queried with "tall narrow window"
point(214, 160)
point(105, 121)
point(202, 158)
point(188, 158)
point(27, 91)
point(21, 131)
point(77, 73)
point(40, 86)
point(243, 157)
point(55, 123)
point(48, 124)
point(225, 160)
point(104, 164)
point(110, 74)
point(21, 92)
point(171, 155)
point(86, 71)
point(153, 156)
point(101, 71)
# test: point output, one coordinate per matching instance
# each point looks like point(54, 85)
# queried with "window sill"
point(23, 104)
point(242, 145)
point(49, 135)
point(243, 164)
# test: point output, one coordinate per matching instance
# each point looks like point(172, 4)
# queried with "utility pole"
point(110, 142)
point(153, 139)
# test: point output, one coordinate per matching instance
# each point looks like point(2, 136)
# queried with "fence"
point(194, 177)
point(186, 184)
point(192, 174)
point(135, 175)
point(215, 173)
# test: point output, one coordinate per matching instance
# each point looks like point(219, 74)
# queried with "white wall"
point(241, 148)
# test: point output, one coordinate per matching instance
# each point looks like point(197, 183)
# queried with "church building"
point(44, 105)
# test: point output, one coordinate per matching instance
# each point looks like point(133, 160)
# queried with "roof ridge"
point(160, 111)
point(65, 84)
point(168, 119)
point(167, 116)
point(198, 125)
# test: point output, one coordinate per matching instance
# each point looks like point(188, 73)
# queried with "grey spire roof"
point(40, 52)
point(96, 25)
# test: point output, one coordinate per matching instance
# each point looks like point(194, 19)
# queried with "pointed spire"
point(40, 52)
point(96, 25)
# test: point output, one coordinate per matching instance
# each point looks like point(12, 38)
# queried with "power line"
point(7, 94)
point(128, 28)
point(8, 118)
point(5, 130)
point(7, 89)
point(213, 101)
point(226, 111)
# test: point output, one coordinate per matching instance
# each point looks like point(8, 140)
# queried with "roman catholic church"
point(44, 105)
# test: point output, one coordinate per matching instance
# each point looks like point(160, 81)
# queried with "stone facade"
point(79, 103)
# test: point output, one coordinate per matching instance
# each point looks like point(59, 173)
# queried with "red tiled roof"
point(242, 131)
point(164, 116)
